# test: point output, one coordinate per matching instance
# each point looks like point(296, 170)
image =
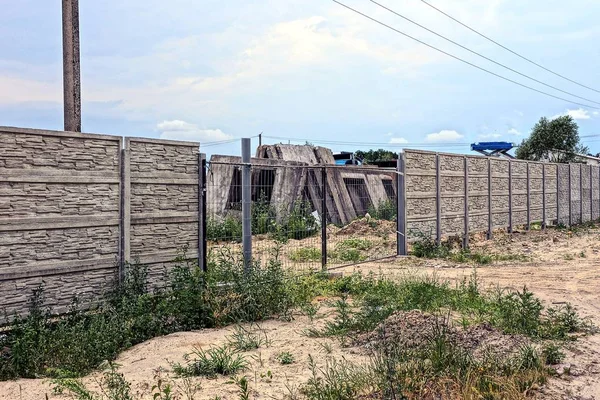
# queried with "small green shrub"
point(227, 229)
point(351, 250)
point(385, 210)
point(425, 246)
point(552, 354)
point(113, 386)
point(221, 360)
point(285, 358)
point(355, 243)
point(248, 339)
point(337, 380)
point(305, 254)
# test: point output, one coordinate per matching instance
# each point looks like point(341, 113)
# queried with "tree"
point(372, 156)
point(556, 140)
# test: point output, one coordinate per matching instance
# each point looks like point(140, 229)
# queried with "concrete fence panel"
point(59, 216)
point(497, 193)
point(162, 180)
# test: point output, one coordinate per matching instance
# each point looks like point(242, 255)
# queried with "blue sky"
point(213, 70)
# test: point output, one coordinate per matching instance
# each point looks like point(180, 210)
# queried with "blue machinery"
point(493, 149)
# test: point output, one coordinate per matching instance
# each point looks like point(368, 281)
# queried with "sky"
point(309, 70)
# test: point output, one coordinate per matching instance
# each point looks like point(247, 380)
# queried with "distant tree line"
point(372, 156)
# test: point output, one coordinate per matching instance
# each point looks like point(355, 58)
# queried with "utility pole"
point(71, 66)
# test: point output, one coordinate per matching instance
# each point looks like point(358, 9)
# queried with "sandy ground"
point(563, 267)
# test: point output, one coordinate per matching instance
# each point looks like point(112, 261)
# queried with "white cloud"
point(443, 136)
point(596, 113)
point(577, 114)
point(398, 140)
point(181, 130)
point(513, 131)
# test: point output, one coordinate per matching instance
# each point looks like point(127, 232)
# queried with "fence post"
point(490, 222)
point(438, 201)
point(510, 198)
point(324, 218)
point(466, 216)
point(570, 199)
point(580, 194)
point(125, 213)
point(557, 194)
point(246, 204)
point(202, 262)
point(543, 196)
point(528, 226)
point(401, 206)
point(592, 193)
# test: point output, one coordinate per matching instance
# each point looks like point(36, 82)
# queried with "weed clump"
point(41, 343)
point(222, 360)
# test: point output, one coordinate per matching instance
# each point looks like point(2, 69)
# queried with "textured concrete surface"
point(514, 184)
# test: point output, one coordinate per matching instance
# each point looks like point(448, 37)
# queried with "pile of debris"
point(414, 330)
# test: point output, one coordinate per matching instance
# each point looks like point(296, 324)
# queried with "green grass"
point(305, 254)
point(439, 367)
point(248, 339)
point(41, 343)
point(285, 358)
point(280, 223)
point(426, 247)
point(385, 210)
point(222, 360)
point(350, 250)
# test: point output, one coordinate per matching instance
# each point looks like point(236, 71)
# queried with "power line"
point(462, 60)
point(507, 49)
point(348, 143)
point(220, 142)
point(217, 143)
point(481, 55)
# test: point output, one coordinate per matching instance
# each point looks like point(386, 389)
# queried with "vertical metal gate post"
point(401, 206)
point(324, 218)
point(246, 204)
point(202, 256)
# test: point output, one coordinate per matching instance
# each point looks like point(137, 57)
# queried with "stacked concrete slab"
point(297, 173)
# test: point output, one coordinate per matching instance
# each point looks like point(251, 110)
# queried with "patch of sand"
point(562, 267)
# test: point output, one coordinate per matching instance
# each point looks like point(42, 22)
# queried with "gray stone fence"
point(74, 207)
point(451, 194)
